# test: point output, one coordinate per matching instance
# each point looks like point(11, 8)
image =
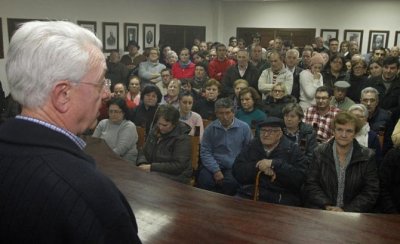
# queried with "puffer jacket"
point(361, 185)
point(170, 154)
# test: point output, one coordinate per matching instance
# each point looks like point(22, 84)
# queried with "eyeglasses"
point(321, 98)
point(114, 111)
point(134, 84)
point(104, 85)
point(269, 131)
point(278, 91)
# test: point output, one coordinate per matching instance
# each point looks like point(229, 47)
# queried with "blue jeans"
point(206, 181)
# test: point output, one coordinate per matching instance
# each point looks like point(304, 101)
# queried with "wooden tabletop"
point(170, 212)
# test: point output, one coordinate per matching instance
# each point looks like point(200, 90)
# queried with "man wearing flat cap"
point(339, 99)
point(281, 161)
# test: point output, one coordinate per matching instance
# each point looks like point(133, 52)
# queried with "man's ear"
point(61, 96)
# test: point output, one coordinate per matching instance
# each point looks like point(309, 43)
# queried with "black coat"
point(361, 186)
point(389, 175)
point(170, 154)
point(274, 108)
point(51, 191)
point(288, 164)
point(232, 74)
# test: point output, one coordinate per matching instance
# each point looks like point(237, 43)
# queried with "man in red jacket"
point(218, 66)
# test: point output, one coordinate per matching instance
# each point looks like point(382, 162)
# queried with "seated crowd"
point(321, 125)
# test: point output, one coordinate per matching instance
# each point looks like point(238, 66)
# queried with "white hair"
point(370, 90)
point(294, 52)
point(44, 52)
point(360, 107)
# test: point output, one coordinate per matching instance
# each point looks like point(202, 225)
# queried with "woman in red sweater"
point(184, 68)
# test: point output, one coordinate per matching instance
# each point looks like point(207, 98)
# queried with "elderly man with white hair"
point(50, 189)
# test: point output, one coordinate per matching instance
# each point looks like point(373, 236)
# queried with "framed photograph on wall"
point(1, 40)
point(354, 35)
point(377, 39)
point(149, 35)
point(13, 25)
point(90, 25)
point(397, 38)
point(327, 34)
point(110, 36)
point(131, 33)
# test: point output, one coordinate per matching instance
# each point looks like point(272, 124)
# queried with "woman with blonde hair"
point(277, 100)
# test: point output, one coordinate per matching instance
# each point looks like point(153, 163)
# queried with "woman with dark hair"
point(163, 54)
point(191, 118)
point(120, 134)
point(168, 147)
point(250, 112)
point(335, 70)
point(277, 100)
point(143, 114)
point(297, 131)
point(358, 79)
point(205, 107)
point(375, 68)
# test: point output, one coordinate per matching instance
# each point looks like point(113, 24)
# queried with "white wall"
point(350, 14)
point(220, 18)
point(177, 12)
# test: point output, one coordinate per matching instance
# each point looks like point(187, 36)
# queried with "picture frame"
point(397, 38)
point(377, 39)
point(1, 40)
point(90, 25)
point(110, 36)
point(354, 35)
point(13, 24)
point(131, 33)
point(149, 35)
point(327, 34)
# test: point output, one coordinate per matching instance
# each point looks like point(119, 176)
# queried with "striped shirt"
point(78, 141)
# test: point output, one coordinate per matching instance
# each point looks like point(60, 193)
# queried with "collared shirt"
point(322, 123)
point(78, 141)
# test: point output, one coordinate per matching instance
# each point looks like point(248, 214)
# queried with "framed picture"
point(90, 25)
point(397, 38)
point(1, 40)
point(327, 34)
point(149, 35)
point(377, 39)
point(354, 35)
point(131, 32)
point(110, 36)
point(14, 24)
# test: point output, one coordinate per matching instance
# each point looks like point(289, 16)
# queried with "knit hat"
point(316, 59)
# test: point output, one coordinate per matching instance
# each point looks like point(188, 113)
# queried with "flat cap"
point(272, 122)
point(342, 84)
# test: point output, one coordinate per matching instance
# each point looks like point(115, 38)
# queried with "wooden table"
point(170, 212)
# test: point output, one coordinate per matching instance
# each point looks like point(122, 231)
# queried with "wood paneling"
point(170, 212)
point(179, 36)
point(299, 37)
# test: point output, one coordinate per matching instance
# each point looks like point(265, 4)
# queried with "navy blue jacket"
point(51, 191)
point(288, 163)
